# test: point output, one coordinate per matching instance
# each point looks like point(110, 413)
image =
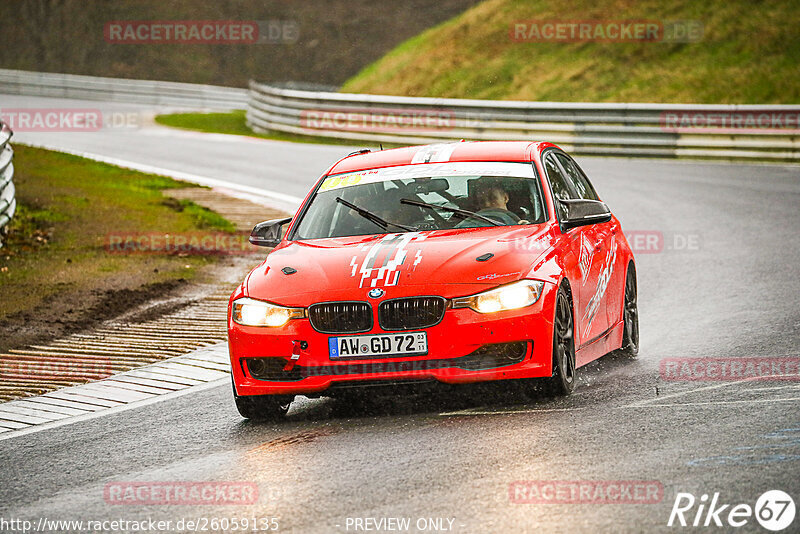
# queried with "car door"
point(583, 243)
point(598, 316)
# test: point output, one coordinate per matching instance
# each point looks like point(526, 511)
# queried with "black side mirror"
point(268, 233)
point(583, 212)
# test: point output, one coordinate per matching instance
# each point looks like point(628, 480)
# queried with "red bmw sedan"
point(456, 262)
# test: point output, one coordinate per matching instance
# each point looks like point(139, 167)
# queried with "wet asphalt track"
point(724, 285)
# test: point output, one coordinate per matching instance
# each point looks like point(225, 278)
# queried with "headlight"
point(250, 312)
point(509, 297)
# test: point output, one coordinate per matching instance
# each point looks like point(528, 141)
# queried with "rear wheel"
point(562, 382)
point(630, 334)
point(262, 407)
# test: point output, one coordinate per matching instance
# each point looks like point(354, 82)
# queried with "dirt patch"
point(128, 315)
point(76, 310)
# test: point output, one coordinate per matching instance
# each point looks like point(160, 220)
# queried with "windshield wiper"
point(459, 211)
point(372, 217)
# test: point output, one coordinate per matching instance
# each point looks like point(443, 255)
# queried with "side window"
point(559, 184)
point(578, 179)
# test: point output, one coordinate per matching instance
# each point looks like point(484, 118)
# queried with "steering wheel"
point(500, 215)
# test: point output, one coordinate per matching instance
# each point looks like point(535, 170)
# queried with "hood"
point(347, 268)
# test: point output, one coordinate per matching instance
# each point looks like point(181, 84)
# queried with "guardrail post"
point(8, 201)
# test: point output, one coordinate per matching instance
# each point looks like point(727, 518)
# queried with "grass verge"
point(234, 123)
point(56, 274)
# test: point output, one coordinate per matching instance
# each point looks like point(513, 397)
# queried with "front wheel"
point(562, 382)
point(630, 334)
point(262, 407)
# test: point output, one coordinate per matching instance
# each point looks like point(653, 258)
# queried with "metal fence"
point(187, 95)
point(8, 203)
point(769, 132)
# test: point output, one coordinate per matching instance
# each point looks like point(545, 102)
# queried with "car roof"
point(441, 152)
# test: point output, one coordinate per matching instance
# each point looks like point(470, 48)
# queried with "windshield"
point(423, 197)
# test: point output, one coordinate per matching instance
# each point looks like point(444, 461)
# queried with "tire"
point(630, 316)
point(262, 407)
point(562, 381)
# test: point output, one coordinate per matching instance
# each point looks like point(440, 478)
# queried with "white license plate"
point(400, 344)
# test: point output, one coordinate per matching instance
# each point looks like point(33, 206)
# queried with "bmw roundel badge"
point(376, 293)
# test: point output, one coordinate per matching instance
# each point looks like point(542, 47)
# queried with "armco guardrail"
point(651, 130)
point(121, 90)
point(8, 202)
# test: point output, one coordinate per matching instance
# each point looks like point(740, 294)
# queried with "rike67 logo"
point(774, 510)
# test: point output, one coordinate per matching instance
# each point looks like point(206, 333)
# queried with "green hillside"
point(749, 52)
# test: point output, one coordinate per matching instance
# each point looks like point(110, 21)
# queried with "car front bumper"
point(464, 347)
